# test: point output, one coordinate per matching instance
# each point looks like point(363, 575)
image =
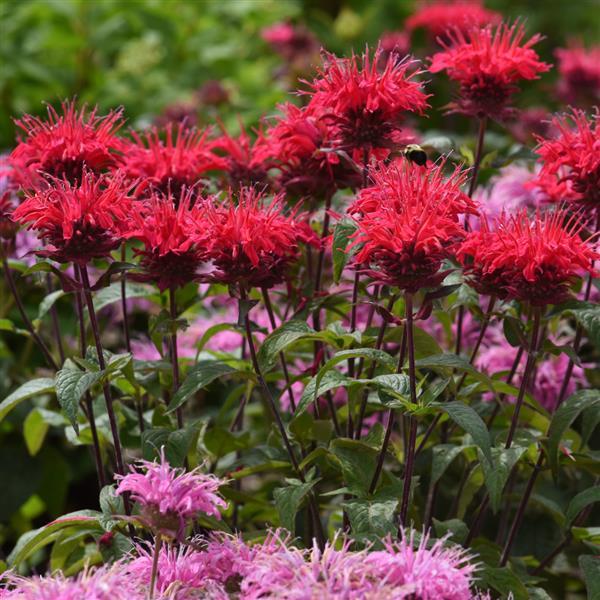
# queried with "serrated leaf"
point(452, 362)
point(503, 580)
point(48, 302)
point(496, 474)
point(562, 419)
point(111, 294)
point(279, 340)
point(111, 506)
point(289, 499)
point(372, 517)
point(587, 314)
point(590, 565)
point(466, 418)
point(199, 376)
point(357, 461)
point(577, 504)
point(331, 380)
point(35, 387)
point(71, 384)
point(339, 250)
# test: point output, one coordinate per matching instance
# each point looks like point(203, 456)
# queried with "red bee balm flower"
point(252, 243)
point(391, 186)
point(533, 259)
point(78, 222)
point(64, 143)
point(365, 100)
point(411, 227)
point(301, 144)
point(571, 161)
point(487, 63)
point(170, 257)
point(170, 165)
point(438, 17)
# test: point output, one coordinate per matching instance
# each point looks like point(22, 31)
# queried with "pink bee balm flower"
point(421, 572)
point(579, 70)
point(105, 583)
point(169, 498)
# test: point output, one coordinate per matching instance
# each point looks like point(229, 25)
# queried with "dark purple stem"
point(174, 354)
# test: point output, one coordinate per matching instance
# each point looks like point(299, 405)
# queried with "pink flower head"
point(439, 16)
point(301, 143)
point(170, 164)
point(112, 582)
point(364, 100)
point(579, 70)
point(533, 259)
point(292, 42)
point(246, 161)
point(530, 123)
point(64, 143)
point(571, 160)
point(170, 498)
point(393, 42)
point(78, 221)
point(170, 256)
point(509, 191)
point(412, 226)
point(423, 572)
point(252, 242)
point(487, 63)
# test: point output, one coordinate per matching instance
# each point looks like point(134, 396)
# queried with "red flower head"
point(64, 143)
point(78, 221)
point(438, 17)
point(390, 187)
point(579, 71)
point(531, 259)
point(301, 144)
point(366, 103)
point(246, 161)
point(170, 257)
point(8, 201)
point(409, 225)
point(571, 161)
point(393, 42)
point(487, 63)
point(252, 243)
point(169, 165)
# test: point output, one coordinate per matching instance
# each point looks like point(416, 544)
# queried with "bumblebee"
point(416, 154)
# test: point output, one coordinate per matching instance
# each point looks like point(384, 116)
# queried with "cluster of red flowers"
point(533, 260)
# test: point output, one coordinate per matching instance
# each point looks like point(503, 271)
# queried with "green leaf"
point(176, 443)
point(279, 340)
point(47, 303)
point(590, 565)
point(372, 517)
point(111, 294)
point(339, 250)
point(331, 380)
point(562, 419)
point(111, 506)
point(289, 499)
point(503, 580)
point(496, 474)
point(443, 455)
point(357, 461)
point(71, 384)
point(514, 332)
point(35, 387)
point(466, 418)
point(199, 376)
point(35, 428)
point(587, 314)
point(33, 540)
point(583, 499)
point(450, 362)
